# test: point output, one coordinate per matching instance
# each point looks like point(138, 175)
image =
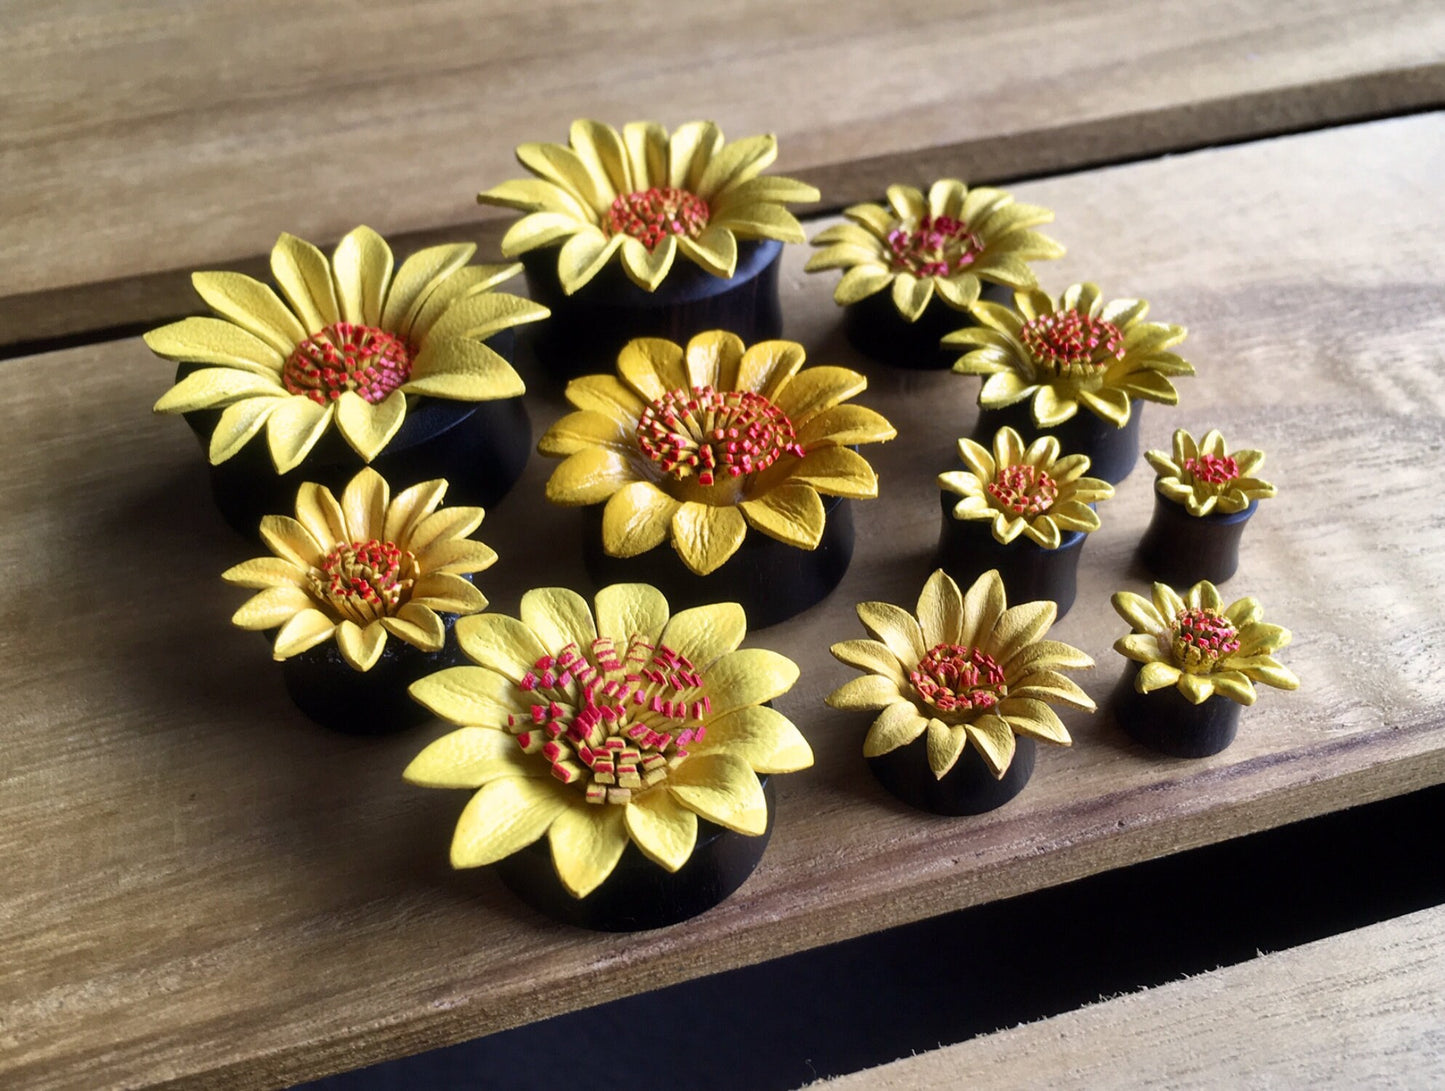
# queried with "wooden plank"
point(1366, 1008)
point(157, 137)
point(200, 885)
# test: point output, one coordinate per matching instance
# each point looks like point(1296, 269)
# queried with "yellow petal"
point(1236, 687)
point(945, 744)
point(500, 643)
point(504, 816)
point(750, 676)
point(872, 656)
point(417, 278)
point(689, 150)
point(583, 428)
point(908, 204)
point(445, 525)
point(652, 366)
point(1140, 647)
point(409, 508)
point(763, 737)
point(897, 628)
point(584, 255)
point(562, 166)
point(318, 511)
point(213, 341)
point(860, 282)
point(274, 606)
point(716, 250)
point(1196, 688)
point(306, 630)
point(363, 504)
point(251, 305)
point(1031, 716)
point(760, 221)
point(766, 367)
point(265, 572)
point(637, 518)
point(481, 314)
point(605, 394)
point(463, 370)
point(447, 593)
point(864, 694)
point(713, 359)
point(722, 789)
point(1138, 612)
point(470, 757)
point(705, 536)
point(418, 626)
point(845, 426)
point(540, 229)
point(586, 842)
point(940, 610)
point(664, 830)
point(460, 285)
point(911, 295)
point(646, 268)
point(995, 741)
point(983, 605)
point(837, 471)
point(897, 725)
point(628, 609)
point(361, 648)
point(292, 429)
point(646, 143)
point(736, 163)
point(1154, 676)
point(1022, 624)
point(791, 513)
point(590, 476)
point(1050, 685)
point(287, 538)
point(706, 633)
point(472, 696)
point(368, 427)
point(816, 389)
point(239, 423)
point(362, 265)
point(212, 387)
point(305, 278)
point(559, 617)
point(600, 150)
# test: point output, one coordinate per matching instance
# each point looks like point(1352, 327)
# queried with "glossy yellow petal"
point(1004, 388)
point(637, 518)
point(1154, 676)
point(443, 525)
point(1234, 686)
point(585, 255)
point(713, 359)
point(1140, 647)
point(306, 630)
point(586, 843)
point(274, 606)
point(318, 511)
point(419, 276)
point(501, 644)
point(447, 593)
point(940, 610)
point(559, 617)
point(945, 744)
point(464, 370)
point(722, 789)
point(870, 655)
point(664, 830)
point(1167, 601)
point(304, 275)
point(263, 572)
point(581, 429)
point(470, 757)
point(1138, 612)
point(897, 725)
point(790, 513)
point(628, 609)
point(995, 741)
point(292, 429)
point(767, 366)
point(362, 265)
point(706, 633)
point(959, 291)
point(816, 389)
point(369, 427)
point(504, 816)
point(897, 628)
point(471, 696)
point(763, 737)
point(590, 476)
point(837, 471)
point(746, 677)
point(363, 505)
point(647, 268)
point(213, 387)
point(462, 284)
point(251, 305)
point(871, 691)
point(607, 395)
point(287, 538)
point(704, 536)
point(1196, 688)
point(418, 626)
point(238, 425)
point(360, 647)
point(860, 282)
point(652, 366)
point(845, 426)
point(409, 508)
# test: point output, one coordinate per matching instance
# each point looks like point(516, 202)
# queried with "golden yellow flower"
point(1200, 646)
point(944, 243)
point(649, 197)
point(1030, 491)
point(348, 346)
point(966, 669)
point(697, 444)
point(1076, 352)
point(1206, 478)
point(363, 568)
point(596, 731)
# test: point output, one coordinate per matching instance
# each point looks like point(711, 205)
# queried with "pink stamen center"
point(954, 678)
point(1067, 342)
point(1212, 469)
point(1024, 490)
point(650, 215)
point(345, 356)
point(612, 721)
point(365, 580)
point(707, 433)
point(938, 247)
point(1201, 637)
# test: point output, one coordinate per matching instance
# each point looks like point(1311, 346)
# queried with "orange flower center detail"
point(938, 247)
point(650, 215)
point(612, 721)
point(1070, 343)
point(365, 580)
point(1024, 490)
point(1201, 638)
point(955, 678)
point(346, 356)
point(707, 433)
point(1212, 469)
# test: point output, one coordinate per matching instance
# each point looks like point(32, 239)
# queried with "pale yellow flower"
point(1206, 478)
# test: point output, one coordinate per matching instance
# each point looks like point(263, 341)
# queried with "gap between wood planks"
point(59, 315)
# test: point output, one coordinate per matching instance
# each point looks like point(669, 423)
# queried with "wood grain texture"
point(199, 885)
point(157, 137)
point(1362, 1009)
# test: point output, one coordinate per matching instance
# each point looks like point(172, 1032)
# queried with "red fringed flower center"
point(1024, 490)
point(365, 580)
point(707, 433)
point(650, 215)
point(954, 678)
point(612, 721)
point(1212, 469)
point(345, 356)
point(1201, 638)
point(938, 247)
point(1067, 342)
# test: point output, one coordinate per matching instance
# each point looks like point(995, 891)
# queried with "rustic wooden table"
point(196, 884)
